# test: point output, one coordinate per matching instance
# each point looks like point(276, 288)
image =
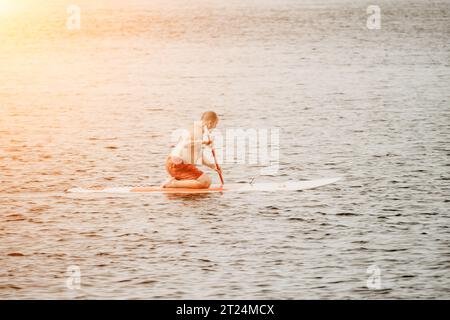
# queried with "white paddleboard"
point(236, 187)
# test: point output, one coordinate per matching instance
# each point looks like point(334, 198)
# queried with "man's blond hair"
point(210, 115)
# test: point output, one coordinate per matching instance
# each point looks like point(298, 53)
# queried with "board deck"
point(236, 187)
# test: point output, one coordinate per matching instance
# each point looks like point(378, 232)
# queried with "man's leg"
point(166, 182)
point(203, 182)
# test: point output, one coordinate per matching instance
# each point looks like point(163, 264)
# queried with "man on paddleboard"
point(181, 162)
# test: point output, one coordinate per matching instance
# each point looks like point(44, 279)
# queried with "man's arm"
point(198, 143)
point(208, 164)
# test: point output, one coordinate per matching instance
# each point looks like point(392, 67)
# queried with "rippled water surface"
point(96, 108)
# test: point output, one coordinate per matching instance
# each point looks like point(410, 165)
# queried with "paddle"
point(219, 171)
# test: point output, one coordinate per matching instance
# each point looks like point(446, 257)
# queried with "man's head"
point(210, 119)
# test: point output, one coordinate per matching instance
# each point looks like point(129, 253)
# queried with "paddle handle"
point(219, 171)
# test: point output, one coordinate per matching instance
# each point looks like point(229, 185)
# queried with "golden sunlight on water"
point(5, 7)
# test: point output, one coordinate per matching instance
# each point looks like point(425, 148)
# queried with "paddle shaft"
point(219, 171)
